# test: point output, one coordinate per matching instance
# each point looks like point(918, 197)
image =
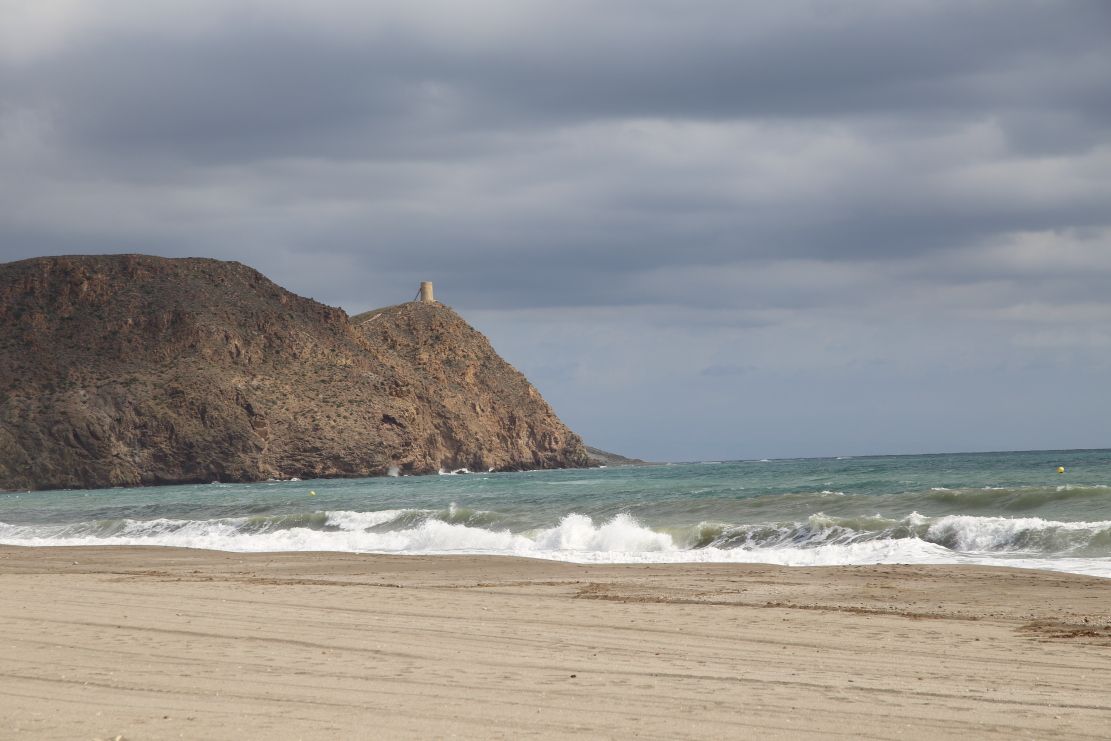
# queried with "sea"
point(1005, 509)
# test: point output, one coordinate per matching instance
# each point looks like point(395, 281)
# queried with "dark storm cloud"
point(732, 61)
point(269, 86)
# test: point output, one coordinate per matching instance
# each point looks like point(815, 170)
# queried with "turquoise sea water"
point(994, 508)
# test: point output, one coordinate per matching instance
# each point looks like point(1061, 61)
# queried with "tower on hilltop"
point(426, 292)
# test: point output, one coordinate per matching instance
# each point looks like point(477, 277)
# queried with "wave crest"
point(819, 539)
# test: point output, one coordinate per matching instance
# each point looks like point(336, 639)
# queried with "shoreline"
point(295, 479)
point(154, 642)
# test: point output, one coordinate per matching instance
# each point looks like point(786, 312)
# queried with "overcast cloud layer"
point(704, 230)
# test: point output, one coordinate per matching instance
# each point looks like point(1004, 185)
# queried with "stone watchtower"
point(426, 292)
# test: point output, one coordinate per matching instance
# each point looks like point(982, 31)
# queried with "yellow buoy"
point(1060, 469)
point(313, 493)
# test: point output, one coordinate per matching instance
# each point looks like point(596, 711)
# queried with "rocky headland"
point(125, 370)
point(599, 457)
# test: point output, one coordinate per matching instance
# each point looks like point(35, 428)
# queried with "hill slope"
point(130, 369)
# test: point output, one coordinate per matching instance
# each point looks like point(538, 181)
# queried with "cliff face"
point(129, 369)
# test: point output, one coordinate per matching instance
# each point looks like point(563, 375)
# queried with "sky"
point(704, 230)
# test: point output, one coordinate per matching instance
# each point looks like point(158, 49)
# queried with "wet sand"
point(155, 643)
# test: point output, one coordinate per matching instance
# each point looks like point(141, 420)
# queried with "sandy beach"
point(157, 643)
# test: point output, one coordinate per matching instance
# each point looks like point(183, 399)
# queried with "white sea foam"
point(820, 540)
point(622, 534)
point(984, 534)
point(346, 520)
point(574, 534)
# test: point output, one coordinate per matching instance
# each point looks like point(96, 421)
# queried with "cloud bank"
point(710, 230)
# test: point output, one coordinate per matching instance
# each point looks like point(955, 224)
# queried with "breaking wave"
point(955, 533)
point(455, 530)
point(1083, 547)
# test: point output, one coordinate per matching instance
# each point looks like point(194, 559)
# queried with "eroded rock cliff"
point(130, 369)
